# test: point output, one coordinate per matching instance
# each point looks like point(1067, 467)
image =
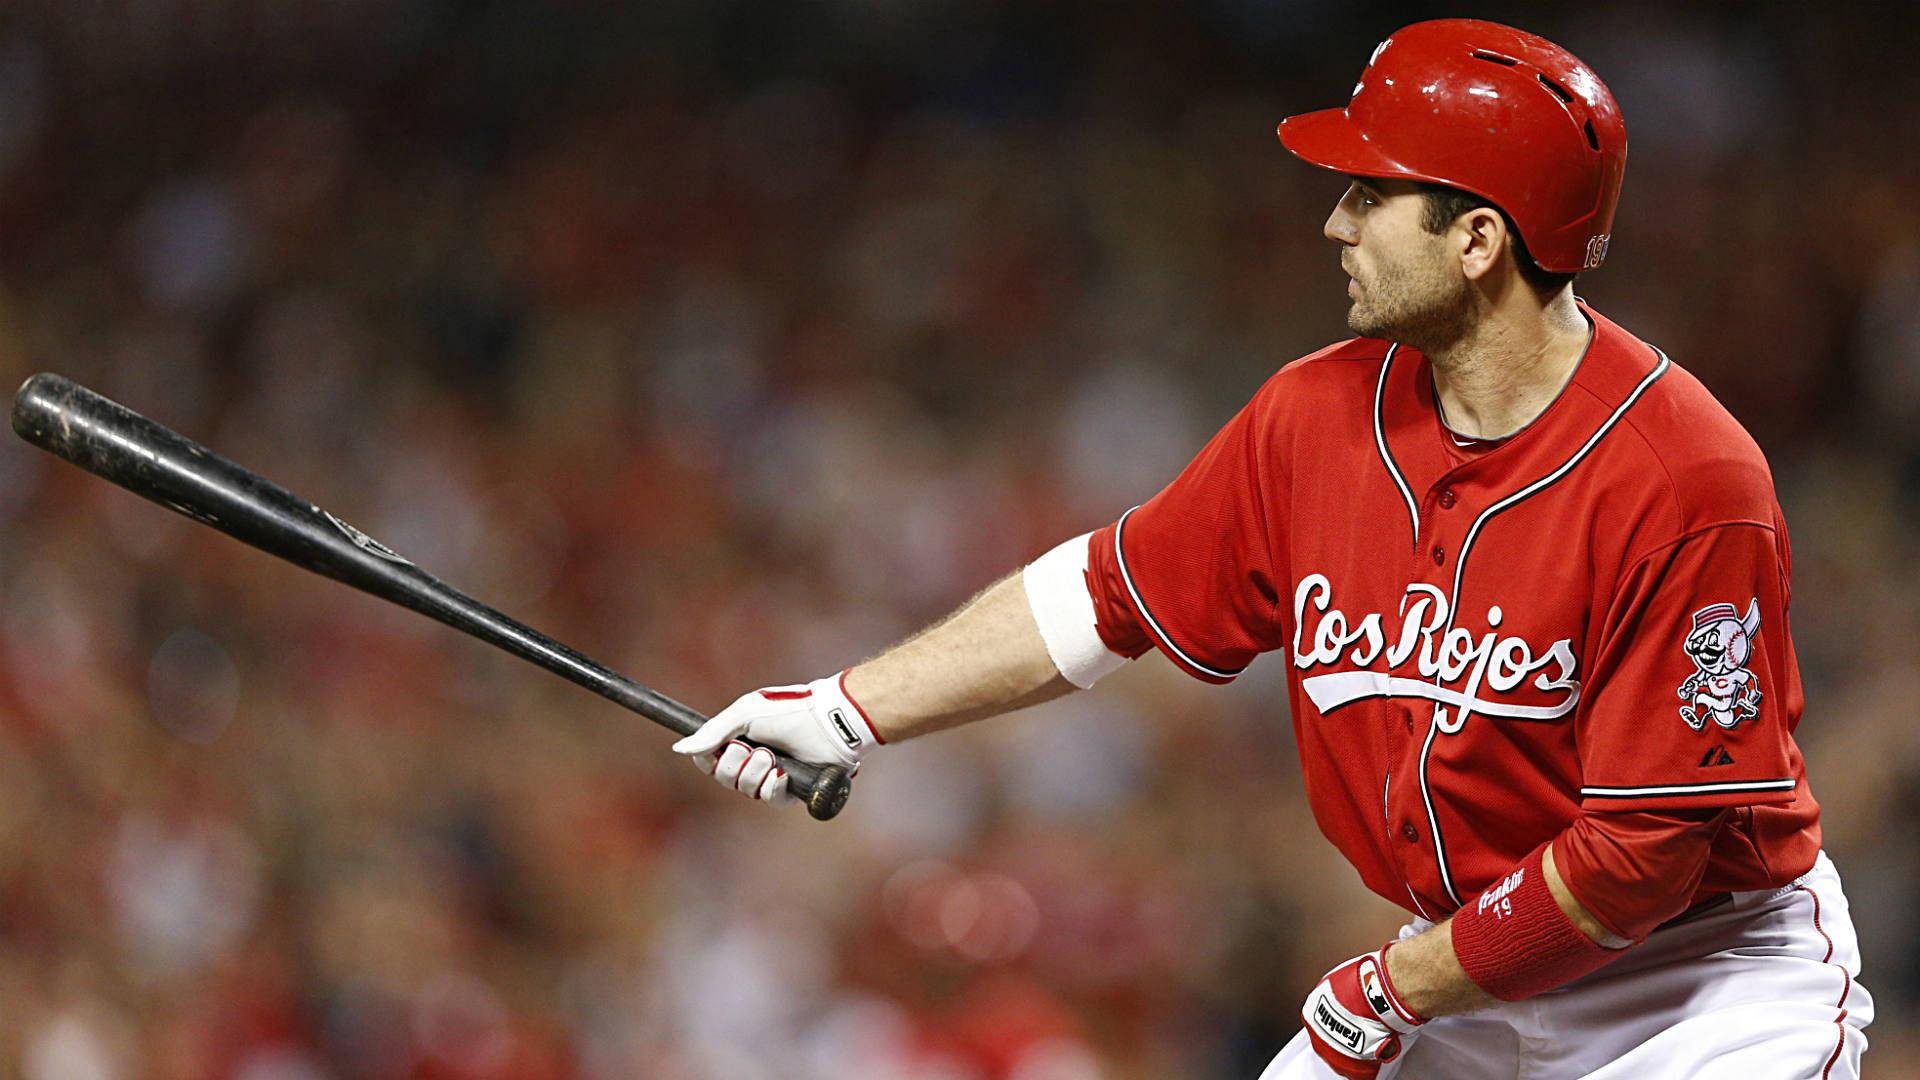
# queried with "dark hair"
point(1444, 204)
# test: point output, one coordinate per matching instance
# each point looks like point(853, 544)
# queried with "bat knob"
point(37, 405)
point(829, 792)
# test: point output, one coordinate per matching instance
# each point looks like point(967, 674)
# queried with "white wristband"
point(1056, 585)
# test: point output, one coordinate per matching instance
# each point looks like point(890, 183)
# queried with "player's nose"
point(1340, 227)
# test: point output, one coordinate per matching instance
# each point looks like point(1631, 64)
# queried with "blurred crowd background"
point(732, 341)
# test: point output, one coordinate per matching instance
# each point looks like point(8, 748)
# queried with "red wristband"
point(1515, 942)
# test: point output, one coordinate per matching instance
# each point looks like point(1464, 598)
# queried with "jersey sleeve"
point(1635, 870)
point(1191, 571)
point(1695, 690)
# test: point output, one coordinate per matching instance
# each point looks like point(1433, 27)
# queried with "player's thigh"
point(1761, 991)
point(1787, 1043)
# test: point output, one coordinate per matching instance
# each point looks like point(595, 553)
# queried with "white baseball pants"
point(1762, 988)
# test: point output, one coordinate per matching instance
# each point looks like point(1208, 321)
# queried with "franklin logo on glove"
point(1331, 1024)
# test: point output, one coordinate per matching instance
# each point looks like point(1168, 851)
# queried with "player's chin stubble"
point(1412, 305)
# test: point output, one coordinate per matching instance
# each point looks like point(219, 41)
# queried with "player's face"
point(1405, 284)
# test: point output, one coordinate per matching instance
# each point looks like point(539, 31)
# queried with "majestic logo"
point(1715, 756)
point(1721, 687)
point(1446, 664)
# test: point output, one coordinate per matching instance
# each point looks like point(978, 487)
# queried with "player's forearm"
point(989, 657)
point(985, 659)
point(1429, 976)
point(1427, 972)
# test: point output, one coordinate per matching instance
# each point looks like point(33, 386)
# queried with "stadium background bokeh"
point(732, 341)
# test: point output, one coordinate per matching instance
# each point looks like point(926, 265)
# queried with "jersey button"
point(1409, 833)
point(1439, 555)
point(1407, 715)
point(1447, 499)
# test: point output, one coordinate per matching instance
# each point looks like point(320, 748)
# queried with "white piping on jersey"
point(1460, 567)
point(1126, 576)
point(1386, 819)
point(1433, 818)
point(1650, 791)
point(1380, 440)
point(1460, 561)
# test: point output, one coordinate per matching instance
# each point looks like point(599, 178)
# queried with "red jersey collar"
point(1615, 371)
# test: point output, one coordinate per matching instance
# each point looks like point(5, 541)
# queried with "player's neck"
point(1510, 365)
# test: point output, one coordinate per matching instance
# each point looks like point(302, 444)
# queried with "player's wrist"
point(1398, 1014)
point(850, 732)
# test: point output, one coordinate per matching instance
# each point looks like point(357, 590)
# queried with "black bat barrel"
point(150, 460)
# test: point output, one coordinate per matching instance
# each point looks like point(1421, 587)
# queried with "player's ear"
point(1480, 236)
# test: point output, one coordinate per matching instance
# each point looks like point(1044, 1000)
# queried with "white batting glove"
point(816, 723)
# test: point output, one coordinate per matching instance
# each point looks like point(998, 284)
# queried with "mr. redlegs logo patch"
point(1721, 687)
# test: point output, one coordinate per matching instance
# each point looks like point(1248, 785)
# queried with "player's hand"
point(816, 723)
point(1356, 1020)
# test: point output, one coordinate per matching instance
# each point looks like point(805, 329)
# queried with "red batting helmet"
point(1510, 117)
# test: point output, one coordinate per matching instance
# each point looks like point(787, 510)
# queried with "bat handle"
point(824, 788)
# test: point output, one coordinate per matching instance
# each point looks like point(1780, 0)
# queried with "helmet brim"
point(1330, 139)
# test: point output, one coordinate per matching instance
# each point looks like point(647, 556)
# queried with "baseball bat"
point(154, 462)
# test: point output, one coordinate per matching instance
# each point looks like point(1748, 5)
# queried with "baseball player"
point(1495, 536)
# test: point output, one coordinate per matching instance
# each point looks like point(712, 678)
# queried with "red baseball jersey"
point(1480, 647)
